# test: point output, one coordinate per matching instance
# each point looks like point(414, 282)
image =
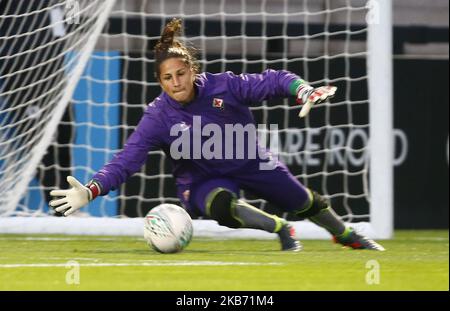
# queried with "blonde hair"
point(169, 47)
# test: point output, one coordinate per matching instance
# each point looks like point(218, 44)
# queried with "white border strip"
point(134, 227)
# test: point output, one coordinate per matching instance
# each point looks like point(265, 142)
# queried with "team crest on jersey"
point(218, 103)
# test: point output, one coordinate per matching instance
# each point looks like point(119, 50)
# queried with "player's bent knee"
point(317, 204)
point(219, 206)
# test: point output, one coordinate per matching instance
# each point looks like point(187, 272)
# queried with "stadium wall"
point(421, 172)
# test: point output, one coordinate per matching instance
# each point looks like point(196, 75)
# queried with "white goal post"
point(75, 76)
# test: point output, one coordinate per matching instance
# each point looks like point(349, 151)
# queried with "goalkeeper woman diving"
point(208, 185)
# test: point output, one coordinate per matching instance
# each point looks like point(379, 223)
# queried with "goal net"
point(75, 77)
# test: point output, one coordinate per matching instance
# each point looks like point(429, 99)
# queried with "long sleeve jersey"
point(222, 100)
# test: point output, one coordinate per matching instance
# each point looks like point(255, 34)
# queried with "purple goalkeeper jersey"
point(221, 100)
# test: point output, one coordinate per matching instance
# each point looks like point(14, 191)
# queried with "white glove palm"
point(309, 96)
point(71, 200)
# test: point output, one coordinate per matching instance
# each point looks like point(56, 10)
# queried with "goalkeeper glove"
point(70, 200)
point(309, 96)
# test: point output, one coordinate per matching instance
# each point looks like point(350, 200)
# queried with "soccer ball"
point(168, 228)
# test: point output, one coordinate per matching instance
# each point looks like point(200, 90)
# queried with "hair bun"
point(169, 46)
point(172, 29)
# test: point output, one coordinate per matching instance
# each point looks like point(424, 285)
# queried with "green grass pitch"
point(414, 260)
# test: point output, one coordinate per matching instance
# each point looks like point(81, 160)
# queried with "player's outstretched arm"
point(309, 96)
point(70, 200)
